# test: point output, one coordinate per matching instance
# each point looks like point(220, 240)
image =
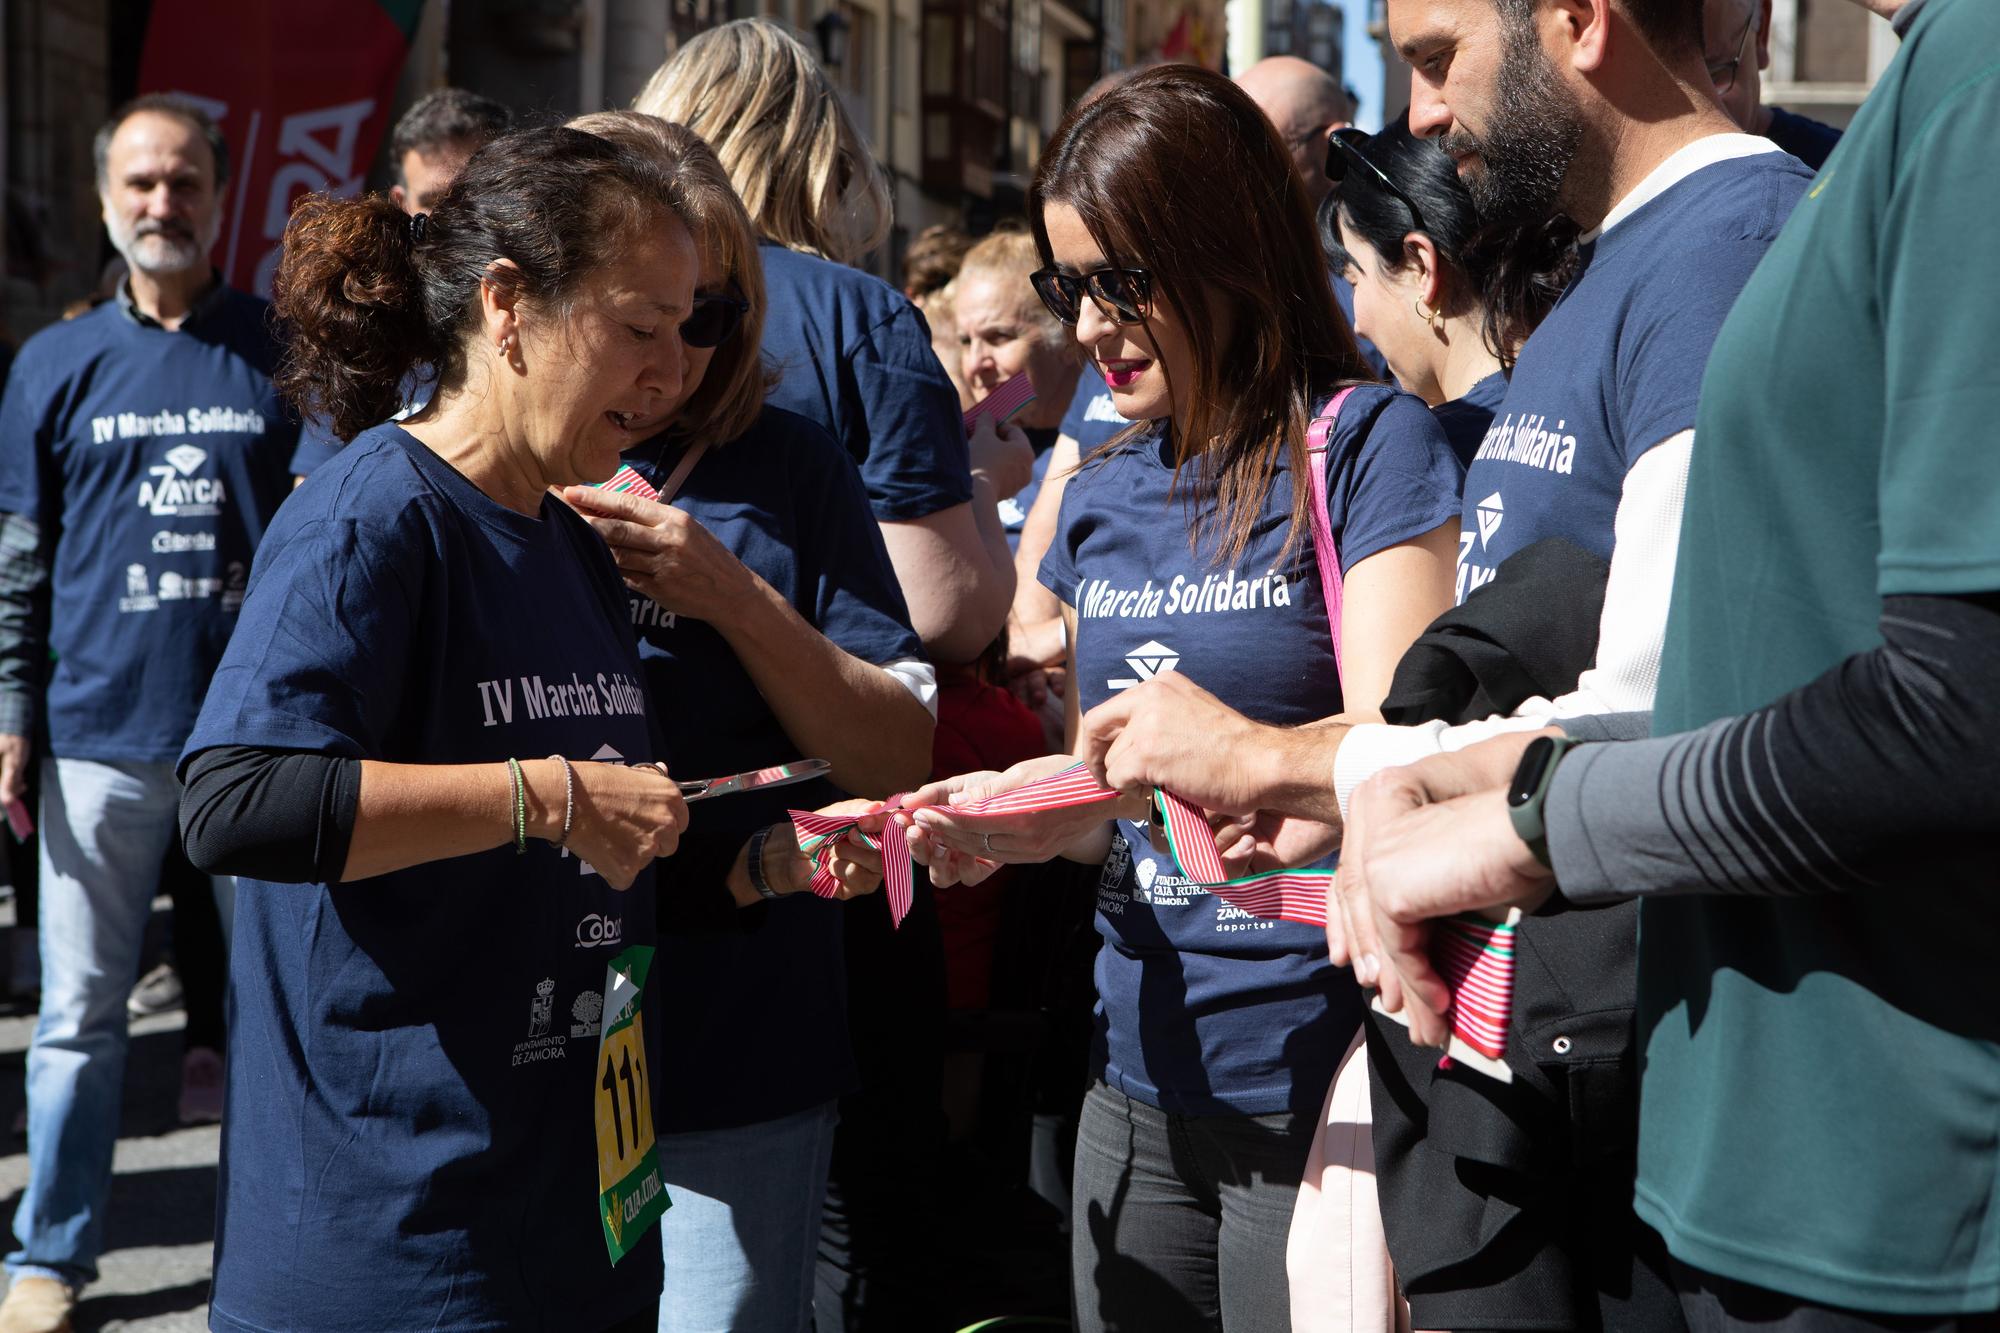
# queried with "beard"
point(163, 247)
point(1537, 126)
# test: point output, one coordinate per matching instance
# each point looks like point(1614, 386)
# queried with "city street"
point(161, 1221)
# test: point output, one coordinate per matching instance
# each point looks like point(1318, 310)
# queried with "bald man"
point(1737, 38)
point(1306, 104)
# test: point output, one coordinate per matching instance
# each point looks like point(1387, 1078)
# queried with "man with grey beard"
point(142, 452)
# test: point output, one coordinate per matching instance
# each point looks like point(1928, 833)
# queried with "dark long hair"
point(1177, 172)
point(368, 297)
point(1514, 271)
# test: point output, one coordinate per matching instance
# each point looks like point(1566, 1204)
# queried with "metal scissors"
point(781, 775)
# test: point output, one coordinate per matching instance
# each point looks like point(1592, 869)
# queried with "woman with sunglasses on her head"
point(1446, 302)
point(764, 601)
point(1186, 545)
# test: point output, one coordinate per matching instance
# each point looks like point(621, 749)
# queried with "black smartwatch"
point(1530, 788)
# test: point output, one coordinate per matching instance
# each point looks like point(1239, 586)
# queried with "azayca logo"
point(175, 492)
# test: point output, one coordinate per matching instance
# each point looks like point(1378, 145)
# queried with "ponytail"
point(371, 294)
point(1521, 269)
point(349, 291)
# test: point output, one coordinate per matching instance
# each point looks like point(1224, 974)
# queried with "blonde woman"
point(851, 352)
point(775, 606)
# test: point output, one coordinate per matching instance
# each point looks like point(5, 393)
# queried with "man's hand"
point(1171, 733)
point(15, 751)
point(1409, 861)
point(1252, 844)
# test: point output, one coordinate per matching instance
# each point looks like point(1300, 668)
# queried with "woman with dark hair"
point(1185, 545)
point(776, 605)
point(424, 1029)
point(1446, 301)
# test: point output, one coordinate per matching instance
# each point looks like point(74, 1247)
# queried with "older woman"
point(776, 606)
point(1004, 331)
point(439, 1109)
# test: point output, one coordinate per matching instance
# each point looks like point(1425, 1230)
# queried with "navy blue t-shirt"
point(1014, 508)
point(318, 443)
point(1343, 296)
point(1616, 367)
point(854, 357)
point(1203, 1009)
point(153, 461)
point(1804, 138)
point(1466, 419)
point(410, 1137)
point(772, 1039)
point(1092, 418)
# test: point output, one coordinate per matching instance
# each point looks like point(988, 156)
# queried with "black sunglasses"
point(1125, 295)
point(713, 320)
point(1343, 153)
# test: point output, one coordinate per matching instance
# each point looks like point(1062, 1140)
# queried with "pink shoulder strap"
point(1318, 439)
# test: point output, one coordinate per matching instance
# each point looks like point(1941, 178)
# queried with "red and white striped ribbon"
point(1474, 955)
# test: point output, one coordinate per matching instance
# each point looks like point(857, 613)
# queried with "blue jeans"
point(743, 1231)
point(104, 830)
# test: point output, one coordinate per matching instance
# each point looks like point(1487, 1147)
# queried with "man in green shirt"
point(1811, 828)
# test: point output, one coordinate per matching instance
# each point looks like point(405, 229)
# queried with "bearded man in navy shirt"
point(142, 452)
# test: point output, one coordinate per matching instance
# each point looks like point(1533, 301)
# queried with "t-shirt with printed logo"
point(1616, 367)
point(152, 460)
point(1202, 1008)
point(410, 1138)
point(773, 1036)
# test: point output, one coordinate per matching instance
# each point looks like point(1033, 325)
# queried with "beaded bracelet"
point(569, 798)
point(520, 807)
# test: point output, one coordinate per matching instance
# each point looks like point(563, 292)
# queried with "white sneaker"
point(37, 1305)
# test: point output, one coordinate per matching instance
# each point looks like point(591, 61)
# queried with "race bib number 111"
point(630, 1194)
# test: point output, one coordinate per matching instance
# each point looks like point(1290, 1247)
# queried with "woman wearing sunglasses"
point(1185, 544)
point(763, 601)
point(1445, 302)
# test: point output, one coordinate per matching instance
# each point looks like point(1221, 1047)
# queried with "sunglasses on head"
point(1343, 155)
point(713, 320)
point(1124, 295)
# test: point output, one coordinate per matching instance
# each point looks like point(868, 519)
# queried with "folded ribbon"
point(1473, 954)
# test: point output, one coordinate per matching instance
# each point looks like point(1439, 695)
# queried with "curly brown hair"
point(368, 295)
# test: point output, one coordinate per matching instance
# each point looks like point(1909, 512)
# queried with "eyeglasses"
point(1343, 154)
point(1722, 73)
point(714, 320)
point(1124, 295)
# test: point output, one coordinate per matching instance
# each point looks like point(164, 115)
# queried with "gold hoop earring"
point(1434, 318)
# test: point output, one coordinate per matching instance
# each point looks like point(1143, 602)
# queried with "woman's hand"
point(665, 554)
point(1003, 455)
point(624, 817)
point(855, 865)
point(1006, 839)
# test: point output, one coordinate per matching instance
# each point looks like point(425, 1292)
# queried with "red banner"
point(301, 90)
